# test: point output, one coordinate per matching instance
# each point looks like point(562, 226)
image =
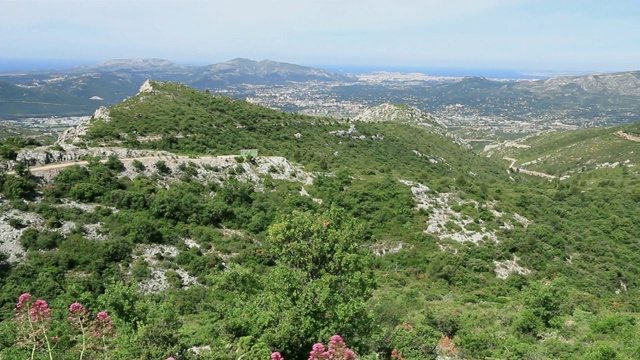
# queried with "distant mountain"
point(133, 65)
point(259, 72)
point(581, 101)
point(621, 84)
point(590, 100)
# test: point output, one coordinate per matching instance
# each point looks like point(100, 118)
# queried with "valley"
point(472, 107)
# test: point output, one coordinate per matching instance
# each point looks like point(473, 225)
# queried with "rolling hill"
point(571, 153)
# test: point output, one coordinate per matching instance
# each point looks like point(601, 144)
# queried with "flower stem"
point(46, 339)
point(33, 332)
point(104, 347)
point(84, 341)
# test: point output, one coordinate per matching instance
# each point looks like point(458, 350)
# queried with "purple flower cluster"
point(103, 325)
point(337, 350)
point(40, 312)
point(22, 300)
point(33, 318)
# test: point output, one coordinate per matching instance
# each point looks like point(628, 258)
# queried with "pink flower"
point(24, 298)
point(55, 339)
point(40, 311)
point(336, 339)
point(317, 352)
point(102, 316)
point(103, 325)
point(78, 314)
point(76, 308)
point(349, 354)
point(170, 358)
point(276, 356)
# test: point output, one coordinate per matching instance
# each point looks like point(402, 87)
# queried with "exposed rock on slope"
point(75, 134)
point(407, 115)
point(400, 114)
point(46, 155)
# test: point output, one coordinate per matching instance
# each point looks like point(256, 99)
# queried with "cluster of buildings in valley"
point(311, 98)
point(53, 123)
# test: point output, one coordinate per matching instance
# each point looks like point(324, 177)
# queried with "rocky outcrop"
point(10, 235)
point(505, 268)
point(146, 87)
point(399, 114)
point(75, 134)
point(47, 155)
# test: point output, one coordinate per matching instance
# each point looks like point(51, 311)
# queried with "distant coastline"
point(35, 65)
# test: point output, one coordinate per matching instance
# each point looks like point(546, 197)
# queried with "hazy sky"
point(524, 34)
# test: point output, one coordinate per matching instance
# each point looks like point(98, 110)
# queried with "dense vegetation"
point(271, 270)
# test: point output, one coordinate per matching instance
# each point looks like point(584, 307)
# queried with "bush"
point(138, 165)
point(162, 167)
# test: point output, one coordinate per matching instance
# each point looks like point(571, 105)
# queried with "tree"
point(113, 163)
point(321, 283)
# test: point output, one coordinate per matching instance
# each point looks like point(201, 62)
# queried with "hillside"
point(174, 117)
point(570, 153)
point(384, 231)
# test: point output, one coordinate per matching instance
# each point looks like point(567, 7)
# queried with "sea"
point(31, 65)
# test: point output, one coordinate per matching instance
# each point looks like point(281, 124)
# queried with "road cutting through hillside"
point(63, 165)
point(628, 136)
point(525, 171)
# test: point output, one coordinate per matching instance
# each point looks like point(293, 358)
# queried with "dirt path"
point(63, 165)
point(525, 171)
point(628, 136)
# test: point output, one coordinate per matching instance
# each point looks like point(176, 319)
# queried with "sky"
point(560, 35)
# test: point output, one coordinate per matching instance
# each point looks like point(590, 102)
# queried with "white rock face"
point(397, 113)
point(46, 155)
point(146, 87)
point(158, 279)
point(442, 213)
point(508, 267)
point(102, 113)
point(10, 237)
point(381, 249)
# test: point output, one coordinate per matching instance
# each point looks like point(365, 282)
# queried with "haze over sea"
point(29, 65)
